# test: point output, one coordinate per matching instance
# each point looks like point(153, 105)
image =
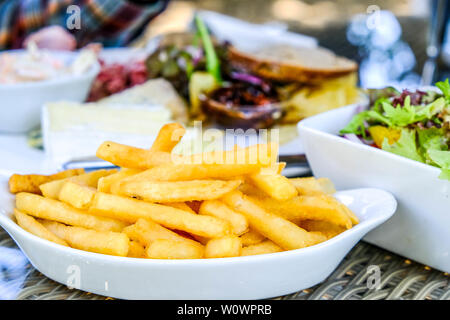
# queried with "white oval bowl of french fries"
point(215, 225)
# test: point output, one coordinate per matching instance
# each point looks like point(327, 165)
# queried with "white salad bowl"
point(420, 229)
point(251, 277)
point(21, 103)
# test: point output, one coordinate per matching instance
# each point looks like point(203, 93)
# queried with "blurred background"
point(394, 41)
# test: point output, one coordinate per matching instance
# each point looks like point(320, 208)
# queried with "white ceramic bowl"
point(250, 277)
point(21, 103)
point(420, 230)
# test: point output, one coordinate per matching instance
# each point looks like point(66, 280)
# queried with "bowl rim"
point(305, 125)
point(92, 72)
point(8, 223)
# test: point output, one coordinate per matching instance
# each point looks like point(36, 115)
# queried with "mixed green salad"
point(412, 124)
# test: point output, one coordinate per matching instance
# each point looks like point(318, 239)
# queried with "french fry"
point(136, 250)
point(229, 246)
point(180, 205)
point(177, 191)
point(218, 209)
point(328, 207)
point(146, 231)
point(135, 235)
point(77, 195)
point(274, 184)
point(51, 189)
point(179, 172)
point(313, 186)
point(169, 249)
point(31, 225)
point(105, 183)
point(91, 178)
point(131, 210)
point(314, 207)
point(264, 247)
point(252, 237)
point(165, 205)
point(132, 157)
point(31, 182)
point(50, 209)
point(106, 242)
point(168, 137)
point(279, 167)
point(354, 219)
point(200, 239)
point(328, 229)
point(326, 185)
point(186, 207)
point(281, 231)
point(251, 190)
point(262, 154)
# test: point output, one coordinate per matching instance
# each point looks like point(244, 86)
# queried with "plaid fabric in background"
point(111, 22)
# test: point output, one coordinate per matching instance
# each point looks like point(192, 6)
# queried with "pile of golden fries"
point(162, 205)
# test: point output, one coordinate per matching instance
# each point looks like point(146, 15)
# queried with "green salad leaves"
point(405, 146)
point(424, 126)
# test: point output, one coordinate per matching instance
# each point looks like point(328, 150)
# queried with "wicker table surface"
point(400, 278)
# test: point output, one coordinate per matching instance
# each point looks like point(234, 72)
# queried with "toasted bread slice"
point(286, 63)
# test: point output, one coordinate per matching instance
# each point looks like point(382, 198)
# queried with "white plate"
point(420, 230)
point(250, 277)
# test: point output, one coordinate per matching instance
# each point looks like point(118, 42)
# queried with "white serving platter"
point(251, 277)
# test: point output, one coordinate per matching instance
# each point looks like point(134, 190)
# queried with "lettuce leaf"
point(445, 174)
point(402, 116)
point(432, 148)
point(431, 109)
point(431, 139)
point(405, 146)
point(442, 159)
point(374, 115)
point(356, 125)
point(445, 88)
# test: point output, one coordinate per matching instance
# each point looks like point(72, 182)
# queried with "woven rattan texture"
point(400, 279)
